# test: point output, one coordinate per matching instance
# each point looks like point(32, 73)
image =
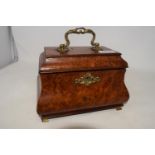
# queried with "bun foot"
point(44, 119)
point(119, 108)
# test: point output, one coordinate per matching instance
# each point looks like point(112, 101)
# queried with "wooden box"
point(74, 80)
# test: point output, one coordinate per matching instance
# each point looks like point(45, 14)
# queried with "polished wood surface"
point(60, 96)
point(52, 52)
point(52, 61)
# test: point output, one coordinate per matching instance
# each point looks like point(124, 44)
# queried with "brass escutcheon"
point(87, 79)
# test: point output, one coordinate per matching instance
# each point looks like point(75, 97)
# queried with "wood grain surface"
point(58, 93)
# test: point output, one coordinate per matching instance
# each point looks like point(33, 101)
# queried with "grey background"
point(8, 51)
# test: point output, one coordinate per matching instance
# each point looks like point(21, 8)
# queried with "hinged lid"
point(65, 58)
point(79, 59)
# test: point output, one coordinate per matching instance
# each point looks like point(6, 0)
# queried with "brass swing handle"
point(81, 30)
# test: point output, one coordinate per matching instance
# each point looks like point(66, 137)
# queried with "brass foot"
point(45, 120)
point(119, 108)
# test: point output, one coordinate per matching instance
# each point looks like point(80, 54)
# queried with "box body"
point(80, 81)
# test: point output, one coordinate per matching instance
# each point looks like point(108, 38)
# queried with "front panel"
point(70, 91)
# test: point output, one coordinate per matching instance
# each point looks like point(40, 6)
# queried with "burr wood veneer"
point(80, 80)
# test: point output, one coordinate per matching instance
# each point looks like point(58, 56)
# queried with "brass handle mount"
point(63, 48)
